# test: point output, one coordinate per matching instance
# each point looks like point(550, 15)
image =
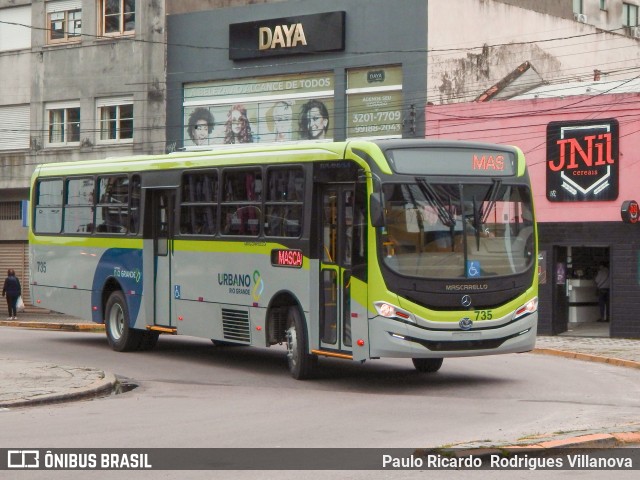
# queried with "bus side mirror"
point(376, 210)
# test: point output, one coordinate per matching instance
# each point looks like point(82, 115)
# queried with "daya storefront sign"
point(322, 32)
point(582, 161)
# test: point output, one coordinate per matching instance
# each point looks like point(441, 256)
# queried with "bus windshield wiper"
point(444, 215)
point(476, 222)
point(490, 200)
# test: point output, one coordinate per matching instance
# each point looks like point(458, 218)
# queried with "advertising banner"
point(374, 102)
point(259, 109)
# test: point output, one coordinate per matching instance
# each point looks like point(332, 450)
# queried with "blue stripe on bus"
point(124, 265)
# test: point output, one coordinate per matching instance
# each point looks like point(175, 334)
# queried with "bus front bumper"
point(393, 339)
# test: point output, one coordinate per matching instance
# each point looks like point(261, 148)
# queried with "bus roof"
point(225, 154)
point(246, 154)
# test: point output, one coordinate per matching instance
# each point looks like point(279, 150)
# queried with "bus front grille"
point(235, 325)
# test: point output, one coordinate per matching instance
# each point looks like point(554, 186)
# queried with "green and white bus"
point(356, 250)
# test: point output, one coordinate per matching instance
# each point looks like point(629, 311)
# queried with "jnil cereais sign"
point(583, 160)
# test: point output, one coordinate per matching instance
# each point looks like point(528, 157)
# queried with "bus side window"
point(113, 204)
point(283, 205)
point(48, 208)
point(198, 210)
point(78, 210)
point(242, 209)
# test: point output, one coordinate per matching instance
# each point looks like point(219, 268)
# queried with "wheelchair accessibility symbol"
point(176, 291)
point(473, 268)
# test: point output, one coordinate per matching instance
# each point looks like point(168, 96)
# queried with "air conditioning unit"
point(635, 32)
point(580, 17)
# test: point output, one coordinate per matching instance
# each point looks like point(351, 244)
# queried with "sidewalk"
point(51, 321)
point(24, 383)
point(31, 383)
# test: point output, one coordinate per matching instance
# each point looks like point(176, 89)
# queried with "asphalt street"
point(28, 384)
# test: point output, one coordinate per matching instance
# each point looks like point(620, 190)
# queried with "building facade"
point(475, 44)
point(581, 150)
point(611, 15)
point(276, 65)
point(80, 79)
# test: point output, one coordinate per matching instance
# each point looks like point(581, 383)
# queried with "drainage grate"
point(235, 325)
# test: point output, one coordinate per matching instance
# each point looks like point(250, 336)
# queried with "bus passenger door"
point(163, 202)
point(336, 242)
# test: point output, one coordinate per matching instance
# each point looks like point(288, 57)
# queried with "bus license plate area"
point(466, 335)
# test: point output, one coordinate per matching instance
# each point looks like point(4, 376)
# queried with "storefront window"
point(277, 108)
point(374, 102)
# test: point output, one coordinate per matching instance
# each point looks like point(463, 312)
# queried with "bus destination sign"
point(449, 161)
point(287, 258)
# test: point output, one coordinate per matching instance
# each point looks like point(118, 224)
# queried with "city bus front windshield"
point(461, 230)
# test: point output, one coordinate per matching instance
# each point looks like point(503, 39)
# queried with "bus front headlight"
point(387, 310)
point(527, 309)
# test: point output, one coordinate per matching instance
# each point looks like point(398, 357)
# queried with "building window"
point(64, 21)
point(64, 125)
point(116, 121)
point(578, 6)
point(629, 15)
point(603, 4)
point(10, 211)
point(297, 107)
point(15, 126)
point(15, 27)
point(117, 17)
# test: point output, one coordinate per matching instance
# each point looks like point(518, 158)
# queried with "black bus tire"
point(301, 364)
point(427, 365)
point(121, 337)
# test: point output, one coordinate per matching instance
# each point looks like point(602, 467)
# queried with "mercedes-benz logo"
point(465, 323)
point(466, 300)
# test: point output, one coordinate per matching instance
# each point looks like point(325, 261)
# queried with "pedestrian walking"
point(12, 291)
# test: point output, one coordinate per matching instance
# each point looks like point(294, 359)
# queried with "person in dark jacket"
point(12, 291)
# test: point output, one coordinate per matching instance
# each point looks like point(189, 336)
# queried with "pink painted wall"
point(524, 123)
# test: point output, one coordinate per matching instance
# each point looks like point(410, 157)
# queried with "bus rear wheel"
point(121, 337)
point(301, 363)
point(427, 365)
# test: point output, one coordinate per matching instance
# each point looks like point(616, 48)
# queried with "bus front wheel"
point(299, 361)
point(427, 365)
point(122, 338)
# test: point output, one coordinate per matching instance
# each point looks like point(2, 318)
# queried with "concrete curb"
point(100, 387)
point(593, 440)
point(75, 327)
point(618, 362)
